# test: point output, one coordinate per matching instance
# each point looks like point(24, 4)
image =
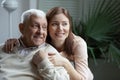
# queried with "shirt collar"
point(22, 45)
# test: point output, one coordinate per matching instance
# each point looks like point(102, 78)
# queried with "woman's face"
point(59, 28)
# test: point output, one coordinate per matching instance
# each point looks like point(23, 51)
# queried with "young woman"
point(70, 46)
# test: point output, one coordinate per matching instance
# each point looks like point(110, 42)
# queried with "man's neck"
point(21, 42)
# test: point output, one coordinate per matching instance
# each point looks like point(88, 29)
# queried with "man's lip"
point(38, 36)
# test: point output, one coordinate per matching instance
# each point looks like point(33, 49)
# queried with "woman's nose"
point(60, 27)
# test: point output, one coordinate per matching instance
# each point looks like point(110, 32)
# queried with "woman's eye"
point(54, 24)
point(64, 24)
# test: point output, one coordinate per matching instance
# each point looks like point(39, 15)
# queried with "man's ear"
point(21, 27)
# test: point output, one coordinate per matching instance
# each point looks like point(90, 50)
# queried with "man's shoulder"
point(1, 47)
point(50, 48)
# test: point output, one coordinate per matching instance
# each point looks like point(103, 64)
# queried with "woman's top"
point(80, 57)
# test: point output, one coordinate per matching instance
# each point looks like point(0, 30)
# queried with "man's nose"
point(40, 30)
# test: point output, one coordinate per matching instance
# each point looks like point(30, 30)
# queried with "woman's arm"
point(62, 61)
point(10, 44)
point(81, 70)
point(81, 58)
point(46, 69)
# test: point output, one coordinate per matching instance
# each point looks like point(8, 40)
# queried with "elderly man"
point(19, 66)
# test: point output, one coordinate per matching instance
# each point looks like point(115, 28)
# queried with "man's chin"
point(38, 44)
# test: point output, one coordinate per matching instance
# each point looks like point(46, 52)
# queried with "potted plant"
point(101, 30)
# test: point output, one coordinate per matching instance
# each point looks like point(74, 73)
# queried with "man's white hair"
point(26, 15)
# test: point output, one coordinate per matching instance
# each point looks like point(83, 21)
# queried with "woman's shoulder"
point(78, 40)
point(79, 47)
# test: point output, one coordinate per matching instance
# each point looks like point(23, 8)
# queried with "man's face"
point(34, 31)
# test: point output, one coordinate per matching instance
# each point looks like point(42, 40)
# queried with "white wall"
point(4, 20)
point(71, 5)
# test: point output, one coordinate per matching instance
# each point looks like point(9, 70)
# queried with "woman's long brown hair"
point(69, 40)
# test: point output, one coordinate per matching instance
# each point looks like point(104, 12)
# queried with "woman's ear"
point(21, 28)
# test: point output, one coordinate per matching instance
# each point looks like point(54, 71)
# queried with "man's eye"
point(35, 25)
point(44, 27)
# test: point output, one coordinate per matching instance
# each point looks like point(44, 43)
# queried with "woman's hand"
point(57, 60)
point(38, 57)
point(10, 44)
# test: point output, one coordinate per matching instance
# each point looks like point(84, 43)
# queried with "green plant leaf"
point(101, 28)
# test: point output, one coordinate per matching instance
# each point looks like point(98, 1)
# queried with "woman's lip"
point(59, 34)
